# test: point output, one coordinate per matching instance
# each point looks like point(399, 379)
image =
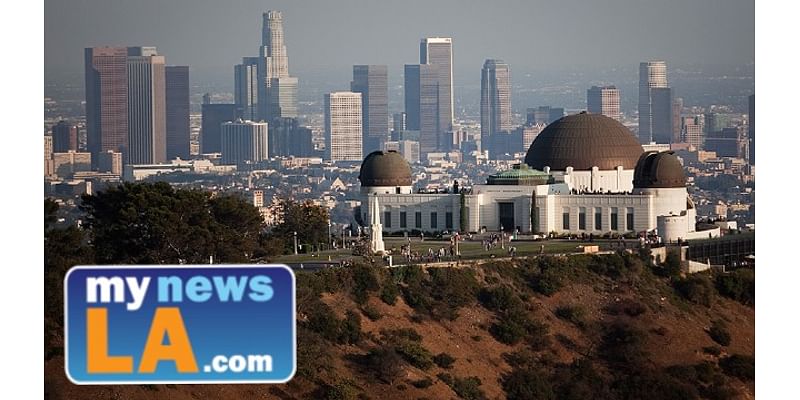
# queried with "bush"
point(444, 360)
point(740, 366)
point(672, 265)
point(712, 350)
point(341, 390)
point(719, 333)
point(739, 285)
point(622, 344)
point(422, 383)
point(323, 321)
point(445, 377)
point(385, 363)
point(468, 388)
point(629, 307)
point(572, 313)
point(350, 331)
point(364, 282)
point(580, 380)
point(389, 293)
point(441, 293)
point(527, 383)
point(371, 312)
point(406, 342)
point(696, 288)
point(501, 298)
point(623, 267)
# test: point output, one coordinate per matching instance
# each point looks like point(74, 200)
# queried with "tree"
point(153, 223)
point(309, 220)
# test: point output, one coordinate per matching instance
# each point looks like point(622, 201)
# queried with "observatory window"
point(448, 220)
point(582, 218)
point(418, 220)
point(387, 219)
point(434, 220)
point(629, 219)
point(565, 219)
point(614, 218)
point(598, 219)
point(403, 216)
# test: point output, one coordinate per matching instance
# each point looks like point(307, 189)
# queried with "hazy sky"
point(212, 35)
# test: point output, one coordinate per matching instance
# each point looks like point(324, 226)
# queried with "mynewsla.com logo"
point(180, 324)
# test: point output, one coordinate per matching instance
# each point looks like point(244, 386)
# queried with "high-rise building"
point(245, 76)
point(110, 161)
point(652, 74)
point(65, 137)
point(372, 82)
point(244, 142)
point(439, 51)
point(67, 163)
point(422, 105)
point(277, 91)
point(692, 132)
point(147, 123)
point(343, 131)
point(661, 118)
point(49, 169)
point(106, 81)
point(716, 122)
point(603, 100)
point(677, 109)
point(177, 94)
point(495, 100)
point(288, 138)
point(544, 115)
point(728, 142)
point(398, 123)
point(751, 131)
point(211, 127)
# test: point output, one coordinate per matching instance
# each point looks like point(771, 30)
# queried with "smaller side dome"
point(385, 168)
point(659, 170)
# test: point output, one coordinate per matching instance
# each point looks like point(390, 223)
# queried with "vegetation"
point(444, 360)
point(719, 333)
point(739, 285)
point(696, 288)
point(740, 366)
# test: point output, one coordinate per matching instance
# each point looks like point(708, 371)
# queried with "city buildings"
point(543, 115)
point(692, 132)
point(177, 98)
point(372, 82)
point(652, 74)
point(288, 138)
point(244, 142)
point(495, 102)
point(728, 142)
point(603, 100)
point(110, 161)
point(422, 105)
point(751, 133)
point(343, 130)
point(277, 91)
point(64, 137)
point(211, 131)
point(147, 123)
point(661, 115)
point(438, 51)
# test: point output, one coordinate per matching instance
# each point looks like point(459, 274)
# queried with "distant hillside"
point(584, 327)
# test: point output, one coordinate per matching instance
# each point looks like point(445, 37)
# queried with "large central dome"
point(385, 168)
point(583, 141)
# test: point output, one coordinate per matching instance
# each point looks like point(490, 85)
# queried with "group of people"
point(493, 241)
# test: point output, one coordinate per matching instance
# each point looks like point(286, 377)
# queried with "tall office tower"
point(177, 94)
point(661, 117)
point(372, 82)
point(728, 142)
point(343, 131)
point(692, 132)
point(244, 142)
point(106, 99)
point(652, 74)
point(245, 76)
point(111, 162)
point(677, 109)
point(211, 127)
point(544, 115)
point(65, 137)
point(277, 91)
point(751, 130)
point(398, 122)
point(603, 100)
point(49, 170)
point(439, 51)
point(147, 122)
point(716, 122)
point(495, 100)
point(422, 105)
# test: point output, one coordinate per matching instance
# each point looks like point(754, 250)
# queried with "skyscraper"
point(661, 117)
point(495, 101)
point(751, 131)
point(177, 94)
point(147, 124)
point(652, 74)
point(65, 137)
point(211, 129)
point(245, 76)
point(106, 99)
point(603, 100)
point(422, 105)
point(372, 82)
point(343, 131)
point(277, 91)
point(692, 132)
point(439, 51)
point(244, 142)
point(677, 109)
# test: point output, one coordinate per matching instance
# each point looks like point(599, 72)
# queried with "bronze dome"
point(659, 170)
point(385, 168)
point(583, 141)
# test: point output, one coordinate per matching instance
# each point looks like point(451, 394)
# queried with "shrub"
point(500, 298)
point(323, 321)
point(371, 312)
point(622, 344)
point(672, 265)
point(444, 360)
point(389, 293)
point(740, 366)
point(712, 350)
point(422, 383)
point(572, 313)
point(719, 333)
point(578, 381)
point(364, 282)
point(739, 285)
point(313, 354)
point(527, 383)
point(629, 307)
point(445, 377)
point(406, 342)
point(350, 331)
point(385, 362)
point(623, 267)
point(696, 288)
point(341, 390)
point(468, 388)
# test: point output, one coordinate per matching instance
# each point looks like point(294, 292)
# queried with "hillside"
point(602, 327)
